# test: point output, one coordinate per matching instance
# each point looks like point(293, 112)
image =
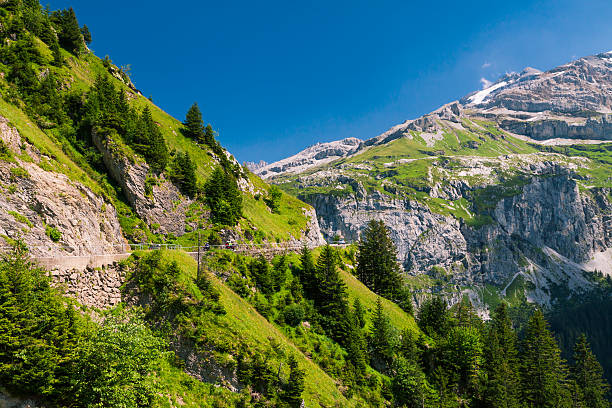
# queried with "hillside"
point(80, 139)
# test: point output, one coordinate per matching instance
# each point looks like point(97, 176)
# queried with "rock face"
point(548, 213)
point(313, 156)
point(154, 199)
point(36, 200)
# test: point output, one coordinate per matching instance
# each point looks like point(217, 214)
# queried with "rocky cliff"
point(52, 213)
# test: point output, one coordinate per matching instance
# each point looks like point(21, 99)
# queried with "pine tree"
point(295, 385)
point(155, 150)
point(543, 372)
point(209, 136)
point(383, 339)
point(58, 58)
point(70, 37)
point(183, 173)
point(433, 317)
point(86, 34)
point(359, 313)
point(377, 265)
point(194, 126)
point(307, 273)
point(223, 198)
point(331, 301)
point(588, 376)
point(502, 385)
point(410, 386)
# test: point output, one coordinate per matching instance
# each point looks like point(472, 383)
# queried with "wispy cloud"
point(486, 65)
point(485, 83)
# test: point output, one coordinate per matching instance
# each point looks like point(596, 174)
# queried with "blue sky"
point(274, 77)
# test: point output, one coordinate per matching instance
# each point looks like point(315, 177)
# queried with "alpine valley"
point(142, 265)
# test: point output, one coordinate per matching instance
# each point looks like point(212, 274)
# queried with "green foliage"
point(410, 386)
point(383, 339)
point(183, 173)
point(223, 197)
point(377, 265)
point(502, 388)
point(193, 124)
point(433, 317)
point(69, 32)
point(86, 34)
point(588, 376)
point(21, 218)
point(114, 365)
point(40, 330)
point(543, 373)
point(273, 199)
point(53, 233)
point(292, 394)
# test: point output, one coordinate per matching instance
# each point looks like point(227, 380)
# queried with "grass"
point(255, 330)
point(21, 218)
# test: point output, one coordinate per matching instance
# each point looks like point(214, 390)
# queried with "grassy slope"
point(81, 73)
point(256, 330)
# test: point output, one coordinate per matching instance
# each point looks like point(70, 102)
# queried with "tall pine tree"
point(194, 126)
point(588, 376)
point(377, 265)
point(501, 364)
point(543, 372)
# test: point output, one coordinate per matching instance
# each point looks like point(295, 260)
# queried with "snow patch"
point(480, 96)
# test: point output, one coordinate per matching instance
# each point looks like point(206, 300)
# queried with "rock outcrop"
point(51, 213)
point(154, 198)
point(311, 157)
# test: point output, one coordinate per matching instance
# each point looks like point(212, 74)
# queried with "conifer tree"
point(331, 300)
point(359, 313)
point(433, 317)
point(69, 35)
point(86, 34)
point(223, 197)
point(502, 385)
point(209, 136)
point(383, 338)
point(58, 59)
point(377, 265)
point(295, 385)
point(194, 126)
point(308, 273)
point(543, 372)
point(588, 376)
point(155, 150)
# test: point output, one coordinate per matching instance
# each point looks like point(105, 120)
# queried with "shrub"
point(293, 314)
point(53, 233)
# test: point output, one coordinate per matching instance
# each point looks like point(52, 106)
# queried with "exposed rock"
point(154, 198)
point(34, 200)
point(313, 156)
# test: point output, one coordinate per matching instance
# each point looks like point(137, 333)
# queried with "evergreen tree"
point(209, 136)
point(588, 376)
point(543, 373)
point(502, 385)
point(307, 273)
point(183, 173)
point(194, 126)
point(331, 300)
point(377, 265)
point(153, 148)
point(86, 34)
point(69, 35)
point(295, 385)
point(58, 58)
point(433, 317)
point(223, 197)
point(382, 340)
point(359, 313)
point(410, 386)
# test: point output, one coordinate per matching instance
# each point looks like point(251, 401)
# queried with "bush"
point(53, 233)
point(293, 314)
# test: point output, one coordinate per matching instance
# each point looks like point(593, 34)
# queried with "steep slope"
point(476, 205)
point(46, 96)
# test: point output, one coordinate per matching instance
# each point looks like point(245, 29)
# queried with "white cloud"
point(485, 83)
point(486, 65)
